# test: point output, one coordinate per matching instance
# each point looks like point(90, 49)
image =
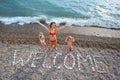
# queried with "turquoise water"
point(104, 13)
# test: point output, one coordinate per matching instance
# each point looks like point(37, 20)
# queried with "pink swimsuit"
point(69, 43)
point(42, 41)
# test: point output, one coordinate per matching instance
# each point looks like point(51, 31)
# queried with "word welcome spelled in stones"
point(71, 60)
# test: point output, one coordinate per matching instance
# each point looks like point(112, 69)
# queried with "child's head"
point(69, 38)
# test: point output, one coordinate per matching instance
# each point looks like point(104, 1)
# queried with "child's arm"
point(73, 40)
point(62, 27)
point(43, 25)
point(66, 39)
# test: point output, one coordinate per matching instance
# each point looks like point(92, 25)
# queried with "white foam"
point(92, 21)
point(74, 21)
point(19, 20)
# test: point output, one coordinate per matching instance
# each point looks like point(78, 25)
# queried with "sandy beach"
point(84, 36)
point(96, 54)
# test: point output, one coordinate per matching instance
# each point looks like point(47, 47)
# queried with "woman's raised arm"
point(43, 25)
point(62, 27)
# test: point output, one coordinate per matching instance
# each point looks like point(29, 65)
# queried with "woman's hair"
point(69, 37)
point(51, 24)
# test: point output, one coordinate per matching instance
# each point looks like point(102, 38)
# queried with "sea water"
point(102, 13)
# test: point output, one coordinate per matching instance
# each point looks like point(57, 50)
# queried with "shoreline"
point(84, 36)
point(77, 27)
point(96, 26)
point(62, 23)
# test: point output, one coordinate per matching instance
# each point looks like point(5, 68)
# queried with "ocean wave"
point(78, 12)
point(72, 21)
point(19, 20)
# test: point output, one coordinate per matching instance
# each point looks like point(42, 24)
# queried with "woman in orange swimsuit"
point(52, 33)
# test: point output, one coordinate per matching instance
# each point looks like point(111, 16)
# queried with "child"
point(69, 40)
point(42, 40)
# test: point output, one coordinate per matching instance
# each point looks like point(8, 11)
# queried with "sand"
point(93, 31)
point(95, 56)
point(84, 36)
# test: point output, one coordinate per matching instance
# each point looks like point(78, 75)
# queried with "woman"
point(52, 30)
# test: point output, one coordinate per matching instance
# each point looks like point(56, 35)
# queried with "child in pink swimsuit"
point(42, 40)
point(69, 40)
